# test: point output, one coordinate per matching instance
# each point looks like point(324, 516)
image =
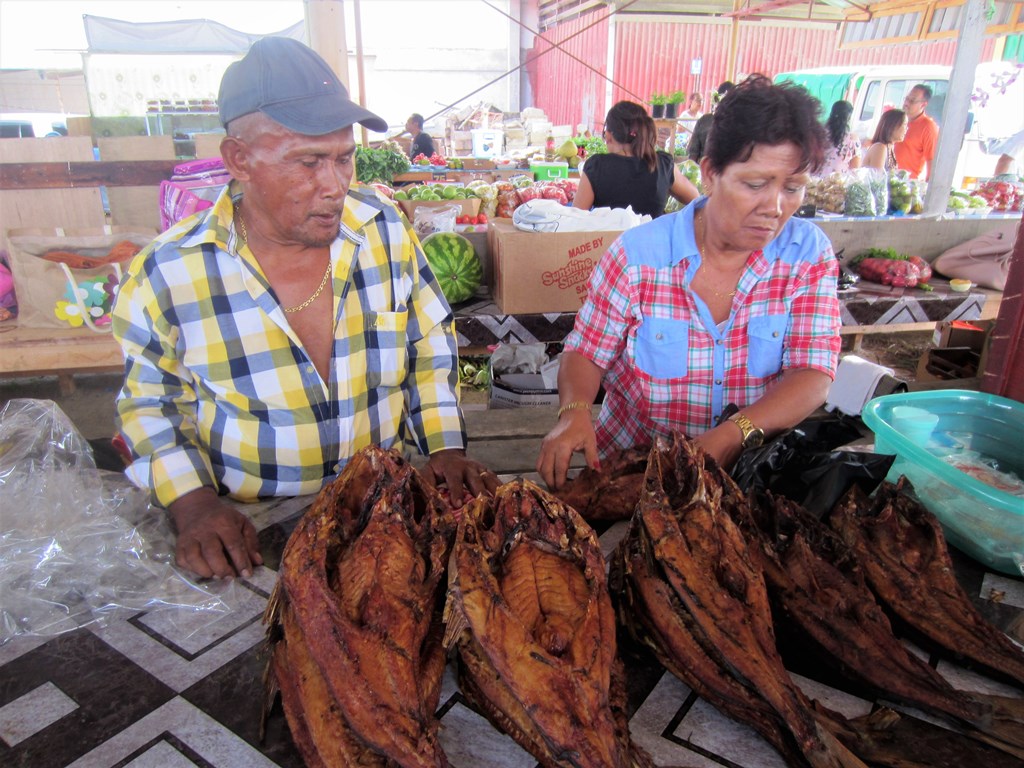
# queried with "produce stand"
point(151, 690)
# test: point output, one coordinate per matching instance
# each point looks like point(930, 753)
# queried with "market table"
point(150, 691)
point(866, 308)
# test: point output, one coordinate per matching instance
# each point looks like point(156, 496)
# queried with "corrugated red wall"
point(655, 53)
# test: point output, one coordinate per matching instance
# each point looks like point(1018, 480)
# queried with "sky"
point(39, 34)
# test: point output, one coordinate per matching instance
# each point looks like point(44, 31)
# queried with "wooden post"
point(954, 115)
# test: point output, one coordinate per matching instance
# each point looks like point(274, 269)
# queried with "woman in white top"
point(843, 152)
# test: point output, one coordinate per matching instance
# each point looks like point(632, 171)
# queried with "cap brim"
point(317, 116)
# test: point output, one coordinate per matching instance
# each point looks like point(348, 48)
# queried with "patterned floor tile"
point(178, 724)
point(29, 714)
point(109, 691)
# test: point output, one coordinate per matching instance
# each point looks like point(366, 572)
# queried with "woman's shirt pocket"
point(387, 357)
point(766, 334)
point(662, 347)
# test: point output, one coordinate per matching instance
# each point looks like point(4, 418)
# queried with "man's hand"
point(460, 474)
point(214, 538)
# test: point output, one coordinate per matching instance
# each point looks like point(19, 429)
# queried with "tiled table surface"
point(151, 691)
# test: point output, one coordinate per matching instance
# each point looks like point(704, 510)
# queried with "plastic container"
point(972, 429)
point(488, 142)
point(548, 171)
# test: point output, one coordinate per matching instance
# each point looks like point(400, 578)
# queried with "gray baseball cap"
point(290, 83)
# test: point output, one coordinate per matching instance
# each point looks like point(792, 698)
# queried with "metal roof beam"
point(771, 5)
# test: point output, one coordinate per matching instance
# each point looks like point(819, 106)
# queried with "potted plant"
point(672, 103)
point(658, 105)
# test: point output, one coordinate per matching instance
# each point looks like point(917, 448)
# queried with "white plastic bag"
point(544, 215)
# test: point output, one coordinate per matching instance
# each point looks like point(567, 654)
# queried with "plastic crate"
point(977, 517)
point(549, 171)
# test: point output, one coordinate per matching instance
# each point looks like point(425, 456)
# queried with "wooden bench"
point(54, 351)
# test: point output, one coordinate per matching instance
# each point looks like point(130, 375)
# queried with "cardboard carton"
point(520, 390)
point(538, 272)
point(470, 206)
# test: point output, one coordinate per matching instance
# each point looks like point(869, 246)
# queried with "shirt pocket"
point(662, 347)
point(387, 357)
point(766, 335)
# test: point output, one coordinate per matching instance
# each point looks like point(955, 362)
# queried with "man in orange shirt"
point(918, 147)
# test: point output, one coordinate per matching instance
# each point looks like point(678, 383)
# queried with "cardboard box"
point(960, 351)
point(520, 390)
point(477, 164)
point(470, 206)
point(538, 272)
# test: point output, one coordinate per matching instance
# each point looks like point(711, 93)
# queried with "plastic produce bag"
point(430, 220)
point(80, 545)
point(806, 465)
point(867, 193)
point(901, 192)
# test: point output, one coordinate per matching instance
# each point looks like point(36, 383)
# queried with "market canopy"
point(189, 36)
point(860, 24)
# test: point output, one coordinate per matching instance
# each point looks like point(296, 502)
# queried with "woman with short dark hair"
point(720, 321)
point(634, 173)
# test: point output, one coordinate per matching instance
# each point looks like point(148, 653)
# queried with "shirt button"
point(657, 336)
point(309, 369)
point(720, 342)
point(336, 468)
point(718, 381)
point(775, 334)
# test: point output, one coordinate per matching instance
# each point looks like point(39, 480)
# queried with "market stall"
point(165, 686)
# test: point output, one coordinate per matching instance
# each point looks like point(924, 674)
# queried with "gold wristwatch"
point(753, 436)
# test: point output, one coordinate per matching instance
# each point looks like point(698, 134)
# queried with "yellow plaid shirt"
point(219, 391)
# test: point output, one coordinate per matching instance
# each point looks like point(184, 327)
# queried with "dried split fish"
point(610, 493)
point(355, 619)
point(816, 584)
point(902, 550)
point(529, 613)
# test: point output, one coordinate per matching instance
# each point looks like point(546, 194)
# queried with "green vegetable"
point(455, 265)
point(592, 145)
point(381, 164)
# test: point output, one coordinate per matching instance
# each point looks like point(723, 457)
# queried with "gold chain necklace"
point(316, 293)
point(704, 258)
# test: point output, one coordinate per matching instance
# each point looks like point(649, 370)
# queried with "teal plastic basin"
point(978, 518)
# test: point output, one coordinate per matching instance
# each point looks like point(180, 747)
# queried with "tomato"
point(481, 219)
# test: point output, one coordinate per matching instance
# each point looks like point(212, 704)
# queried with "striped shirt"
point(668, 365)
point(218, 389)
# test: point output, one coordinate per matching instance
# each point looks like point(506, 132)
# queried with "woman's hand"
point(460, 474)
point(573, 432)
point(724, 443)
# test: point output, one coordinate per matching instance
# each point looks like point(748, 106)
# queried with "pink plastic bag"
point(194, 187)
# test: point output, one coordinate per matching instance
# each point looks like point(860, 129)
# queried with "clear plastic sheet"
point(80, 545)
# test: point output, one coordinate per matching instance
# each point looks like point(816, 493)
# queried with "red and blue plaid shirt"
point(668, 365)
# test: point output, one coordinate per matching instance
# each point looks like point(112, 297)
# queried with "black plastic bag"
point(803, 464)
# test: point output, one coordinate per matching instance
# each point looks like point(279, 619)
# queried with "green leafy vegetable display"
point(592, 145)
point(381, 164)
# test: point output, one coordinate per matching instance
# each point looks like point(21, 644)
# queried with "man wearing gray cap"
point(270, 337)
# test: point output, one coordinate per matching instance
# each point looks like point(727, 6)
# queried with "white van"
point(872, 90)
point(997, 105)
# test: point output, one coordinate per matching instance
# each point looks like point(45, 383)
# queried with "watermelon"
point(455, 265)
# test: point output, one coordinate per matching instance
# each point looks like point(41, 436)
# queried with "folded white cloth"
point(545, 215)
point(855, 383)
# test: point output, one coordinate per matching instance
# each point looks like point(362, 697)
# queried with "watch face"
point(754, 439)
